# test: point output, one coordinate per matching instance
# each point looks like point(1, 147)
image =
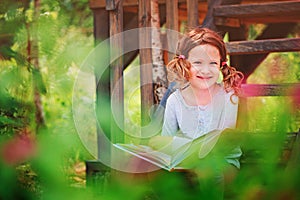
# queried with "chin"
point(204, 86)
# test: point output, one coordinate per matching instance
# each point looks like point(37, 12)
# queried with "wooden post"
point(171, 24)
point(145, 59)
point(101, 33)
point(101, 25)
point(116, 72)
point(237, 34)
point(208, 21)
point(193, 16)
point(159, 71)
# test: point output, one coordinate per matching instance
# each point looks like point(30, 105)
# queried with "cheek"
point(216, 71)
point(193, 71)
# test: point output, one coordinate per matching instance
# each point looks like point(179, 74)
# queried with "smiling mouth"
point(203, 77)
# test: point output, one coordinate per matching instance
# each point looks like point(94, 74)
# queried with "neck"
point(203, 96)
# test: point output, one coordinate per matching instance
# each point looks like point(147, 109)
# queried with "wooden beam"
point(208, 21)
point(116, 72)
point(283, 89)
point(263, 46)
point(145, 59)
point(236, 22)
point(226, 21)
point(251, 61)
point(260, 10)
point(260, 90)
point(193, 14)
point(102, 3)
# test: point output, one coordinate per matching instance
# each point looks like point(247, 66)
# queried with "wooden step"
point(233, 15)
point(263, 46)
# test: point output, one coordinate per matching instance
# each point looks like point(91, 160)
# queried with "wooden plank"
point(263, 46)
point(236, 22)
point(192, 12)
point(226, 21)
point(259, 10)
point(283, 89)
point(260, 1)
point(101, 3)
point(251, 61)
point(260, 90)
point(116, 73)
point(272, 19)
point(145, 59)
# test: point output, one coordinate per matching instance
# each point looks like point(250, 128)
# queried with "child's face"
point(205, 60)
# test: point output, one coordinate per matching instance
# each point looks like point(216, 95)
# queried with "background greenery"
point(52, 166)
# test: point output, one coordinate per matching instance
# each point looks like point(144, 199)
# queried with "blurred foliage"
point(65, 39)
point(50, 164)
point(275, 69)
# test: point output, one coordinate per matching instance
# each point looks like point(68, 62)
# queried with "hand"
point(159, 142)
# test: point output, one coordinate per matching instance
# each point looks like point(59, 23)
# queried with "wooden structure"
point(280, 18)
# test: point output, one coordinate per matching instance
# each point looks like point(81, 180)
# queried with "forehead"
point(204, 51)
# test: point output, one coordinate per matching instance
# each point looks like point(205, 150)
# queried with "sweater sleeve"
point(170, 125)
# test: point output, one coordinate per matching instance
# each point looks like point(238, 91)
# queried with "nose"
point(204, 69)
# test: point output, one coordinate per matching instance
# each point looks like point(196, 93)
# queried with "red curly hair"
point(179, 67)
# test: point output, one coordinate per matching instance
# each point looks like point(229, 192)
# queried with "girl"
point(207, 97)
point(203, 102)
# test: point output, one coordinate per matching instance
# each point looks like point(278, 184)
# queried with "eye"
point(214, 63)
point(197, 62)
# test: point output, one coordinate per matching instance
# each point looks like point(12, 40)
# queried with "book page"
point(203, 145)
point(181, 149)
point(147, 153)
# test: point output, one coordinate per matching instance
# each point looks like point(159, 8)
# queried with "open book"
point(170, 156)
